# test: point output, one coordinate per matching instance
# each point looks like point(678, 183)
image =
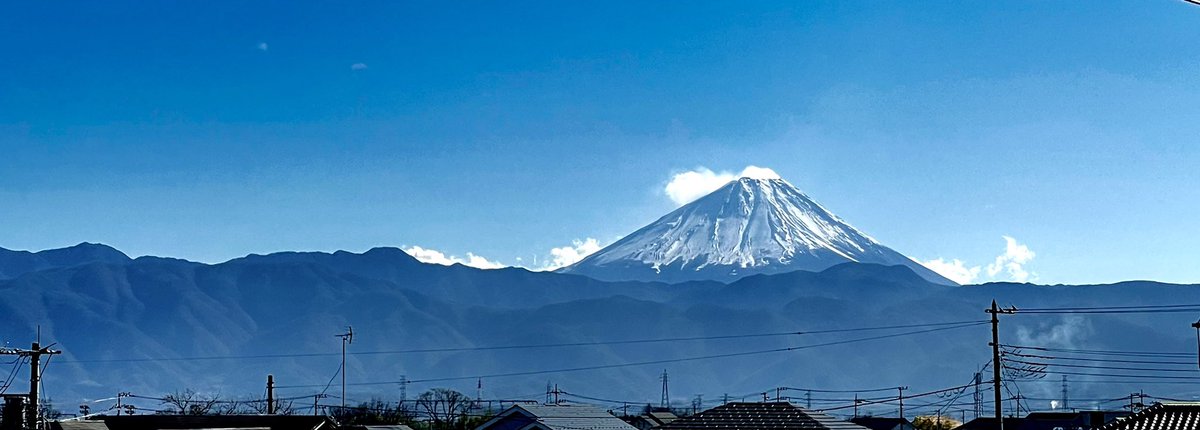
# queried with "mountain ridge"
point(163, 311)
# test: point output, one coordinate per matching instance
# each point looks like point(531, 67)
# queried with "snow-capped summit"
point(749, 226)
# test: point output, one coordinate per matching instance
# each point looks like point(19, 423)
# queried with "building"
point(760, 416)
point(555, 417)
point(1079, 420)
point(883, 423)
point(1161, 416)
point(650, 420)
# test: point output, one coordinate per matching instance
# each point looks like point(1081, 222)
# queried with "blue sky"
point(209, 130)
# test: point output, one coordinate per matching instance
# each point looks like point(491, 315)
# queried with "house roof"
point(661, 418)
point(559, 417)
point(192, 422)
point(990, 423)
point(880, 423)
point(1162, 416)
point(764, 416)
point(77, 425)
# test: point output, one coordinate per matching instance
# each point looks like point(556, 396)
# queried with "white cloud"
point(688, 186)
point(262, 46)
point(358, 66)
point(1012, 261)
point(432, 256)
point(954, 270)
point(1011, 264)
point(567, 255)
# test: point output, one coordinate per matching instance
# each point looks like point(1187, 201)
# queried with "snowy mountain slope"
point(747, 227)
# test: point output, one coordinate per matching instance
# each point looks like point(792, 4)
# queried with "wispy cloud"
point(358, 66)
point(262, 46)
point(685, 187)
point(1010, 264)
point(432, 256)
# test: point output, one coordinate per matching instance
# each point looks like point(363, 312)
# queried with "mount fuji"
point(748, 226)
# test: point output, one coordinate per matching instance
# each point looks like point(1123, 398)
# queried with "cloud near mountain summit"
point(685, 187)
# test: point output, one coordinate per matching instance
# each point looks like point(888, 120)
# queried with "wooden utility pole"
point(901, 399)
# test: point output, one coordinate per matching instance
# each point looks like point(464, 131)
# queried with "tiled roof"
point(1162, 416)
point(760, 416)
point(560, 417)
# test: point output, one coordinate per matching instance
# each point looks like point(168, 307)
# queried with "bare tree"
point(373, 412)
point(444, 407)
point(188, 402)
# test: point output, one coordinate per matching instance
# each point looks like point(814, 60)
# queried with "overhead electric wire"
point(662, 361)
point(1060, 372)
point(914, 396)
point(1145, 309)
point(1104, 352)
point(1099, 360)
point(869, 390)
point(526, 346)
point(1084, 366)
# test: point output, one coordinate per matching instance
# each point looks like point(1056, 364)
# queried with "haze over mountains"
point(152, 325)
point(756, 264)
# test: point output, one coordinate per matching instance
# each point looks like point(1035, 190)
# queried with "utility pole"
point(778, 394)
point(347, 338)
point(317, 403)
point(856, 401)
point(35, 353)
point(996, 363)
point(901, 398)
point(808, 399)
point(270, 394)
point(121, 396)
point(1197, 326)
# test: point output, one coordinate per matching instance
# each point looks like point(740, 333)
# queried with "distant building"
point(555, 417)
point(650, 420)
point(883, 423)
point(760, 416)
point(1162, 416)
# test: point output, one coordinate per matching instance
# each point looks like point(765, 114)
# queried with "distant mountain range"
point(747, 227)
point(153, 325)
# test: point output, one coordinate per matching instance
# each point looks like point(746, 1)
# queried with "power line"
point(1100, 360)
point(1084, 366)
point(1141, 309)
point(662, 361)
point(1104, 352)
point(913, 396)
point(525, 346)
point(1060, 372)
